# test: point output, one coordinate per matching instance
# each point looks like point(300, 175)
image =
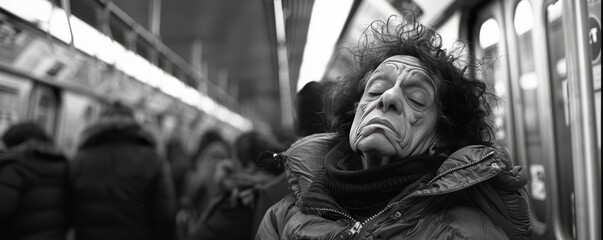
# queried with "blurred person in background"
point(179, 163)
point(411, 155)
point(33, 182)
point(121, 187)
point(175, 150)
point(246, 192)
point(309, 114)
point(211, 163)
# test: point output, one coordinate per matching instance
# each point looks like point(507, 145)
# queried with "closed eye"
point(374, 94)
point(417, 102)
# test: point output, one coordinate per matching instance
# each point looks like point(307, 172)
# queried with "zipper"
point(347, 234)
point(355, 229)
point(336, 211)
point(460, 167)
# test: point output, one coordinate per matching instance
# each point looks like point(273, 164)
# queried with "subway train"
point(543, 59)
point(546, 68)
point(64, 85)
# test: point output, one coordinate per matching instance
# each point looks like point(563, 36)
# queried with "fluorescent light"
point(36, 11)
point(528, 81)
point(554, 11)
point(326, 23)
point(524, 19)
point(85, 37)
point(489, 33)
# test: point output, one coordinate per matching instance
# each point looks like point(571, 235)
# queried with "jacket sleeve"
point(510, 185)
point(11, 183)
point(164, 202)
point(275, 218)
point(463, 223)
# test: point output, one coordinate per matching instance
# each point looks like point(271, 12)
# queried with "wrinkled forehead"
point(400, 63)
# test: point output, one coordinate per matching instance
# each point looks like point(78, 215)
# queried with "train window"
point(14, 92)
point(9, 107)
point(528, 91)
point(44, 109)
point(489, 37)
point(489, 33)
point(524, 19)
point(76, 113)
point(560, 109)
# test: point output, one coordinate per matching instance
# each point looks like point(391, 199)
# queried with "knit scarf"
point(363, 192)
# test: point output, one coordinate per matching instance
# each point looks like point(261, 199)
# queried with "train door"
point(557, 74)
point(14, 92)
point(505, 32)
point(543, 125)
point(77, 113)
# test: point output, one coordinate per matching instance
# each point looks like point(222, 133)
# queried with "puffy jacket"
point(473, 195)
point(33, 179)
point(120, 187)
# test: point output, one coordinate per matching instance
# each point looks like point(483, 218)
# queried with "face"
point(211, 156)
point(397, 114)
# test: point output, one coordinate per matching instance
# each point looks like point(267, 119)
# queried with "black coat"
point(32, 193)
point(121, 187)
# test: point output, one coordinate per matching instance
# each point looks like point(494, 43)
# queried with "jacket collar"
point(34, 146)
point(465, 167)
point(126, 127)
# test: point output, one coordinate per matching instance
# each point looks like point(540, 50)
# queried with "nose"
point(391, 100)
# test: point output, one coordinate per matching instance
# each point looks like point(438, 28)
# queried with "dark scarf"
point(363, 192)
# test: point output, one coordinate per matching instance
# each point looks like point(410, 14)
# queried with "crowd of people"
point(401, 149)
point(118, 185)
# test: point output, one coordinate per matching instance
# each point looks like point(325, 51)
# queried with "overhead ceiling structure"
point(232, 43)
point(231, 50)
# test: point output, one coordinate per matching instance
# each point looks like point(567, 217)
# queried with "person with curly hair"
point(410, 155)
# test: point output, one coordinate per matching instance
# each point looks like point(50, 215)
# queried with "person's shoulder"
point(470, 222)
point(283, 207)
point(314, 141)
point(304, 158)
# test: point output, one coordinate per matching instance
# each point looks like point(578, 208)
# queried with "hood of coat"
point(463, 168)
point(116, 129)
point(34, 147)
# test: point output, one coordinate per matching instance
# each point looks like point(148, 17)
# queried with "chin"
point(376, 145)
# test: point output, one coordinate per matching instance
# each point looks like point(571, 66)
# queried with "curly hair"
point(463, 99)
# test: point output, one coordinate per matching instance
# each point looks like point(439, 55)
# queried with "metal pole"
point(587, 180)
point(283, 66)
point(155, 21)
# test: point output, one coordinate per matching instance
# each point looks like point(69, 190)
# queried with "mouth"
point(380, 126)
point(381, 121)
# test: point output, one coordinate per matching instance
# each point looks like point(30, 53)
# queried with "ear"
point(433, 149)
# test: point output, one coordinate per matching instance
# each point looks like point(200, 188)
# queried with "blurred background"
point(186, 66)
